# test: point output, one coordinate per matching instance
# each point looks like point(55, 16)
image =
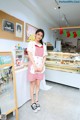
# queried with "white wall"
point(18, 10)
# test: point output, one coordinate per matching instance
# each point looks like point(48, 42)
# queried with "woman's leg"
point(37, 89)
point(32, 86)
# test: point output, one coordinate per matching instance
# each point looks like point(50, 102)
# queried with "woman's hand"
point(40, 69)
point(35, 68)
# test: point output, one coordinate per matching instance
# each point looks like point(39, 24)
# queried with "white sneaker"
point(34, 107)
point(38, 106)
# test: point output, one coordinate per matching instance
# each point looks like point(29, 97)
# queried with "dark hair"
point(18, 27)
point(42, 31)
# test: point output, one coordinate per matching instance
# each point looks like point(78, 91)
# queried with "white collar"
point(37, 44)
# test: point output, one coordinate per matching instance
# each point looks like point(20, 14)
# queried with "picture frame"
point(30, 32)
point(7, 26)
point(9, 33)
point(19, 30)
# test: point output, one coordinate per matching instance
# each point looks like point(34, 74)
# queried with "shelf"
point(7, 65)
point(67, 59)
point(68, 62)
point(19, 50)
point(62, 53)
point(51, 63)
point(19, 54)
point(62, 69)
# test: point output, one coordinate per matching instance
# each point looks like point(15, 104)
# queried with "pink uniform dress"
point(38, 53)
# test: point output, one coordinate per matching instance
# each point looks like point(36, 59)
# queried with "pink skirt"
point(33, 77)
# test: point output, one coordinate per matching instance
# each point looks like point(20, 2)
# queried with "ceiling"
point(67, 15)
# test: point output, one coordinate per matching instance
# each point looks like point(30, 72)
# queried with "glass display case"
point(68, 62)
point(21, 59)
point(8, 97)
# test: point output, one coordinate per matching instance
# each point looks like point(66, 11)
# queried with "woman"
point(36, 67)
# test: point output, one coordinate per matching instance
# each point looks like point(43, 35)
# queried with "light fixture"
point(55, 8)
point(69, 27)
point(59, 15)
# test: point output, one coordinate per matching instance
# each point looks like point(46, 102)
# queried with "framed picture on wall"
point(18, 30)
point(7, 26)
point(30, 32)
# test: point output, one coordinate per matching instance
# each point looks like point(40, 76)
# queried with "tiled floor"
point(59, 103)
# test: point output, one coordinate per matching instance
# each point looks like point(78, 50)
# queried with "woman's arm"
point(44, 56)
point(44, 60)
point(43, 63)
point(31, 58)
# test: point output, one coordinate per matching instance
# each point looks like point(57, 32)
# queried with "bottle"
point(18, 46)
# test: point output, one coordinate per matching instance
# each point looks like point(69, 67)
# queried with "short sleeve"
point(30, 46)
point(45, 50)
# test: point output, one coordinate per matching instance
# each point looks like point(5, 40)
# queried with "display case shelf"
point(68, 62)
point(66, 59)
point(7, 65)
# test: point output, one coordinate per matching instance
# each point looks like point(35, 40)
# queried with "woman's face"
point(39, 36)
